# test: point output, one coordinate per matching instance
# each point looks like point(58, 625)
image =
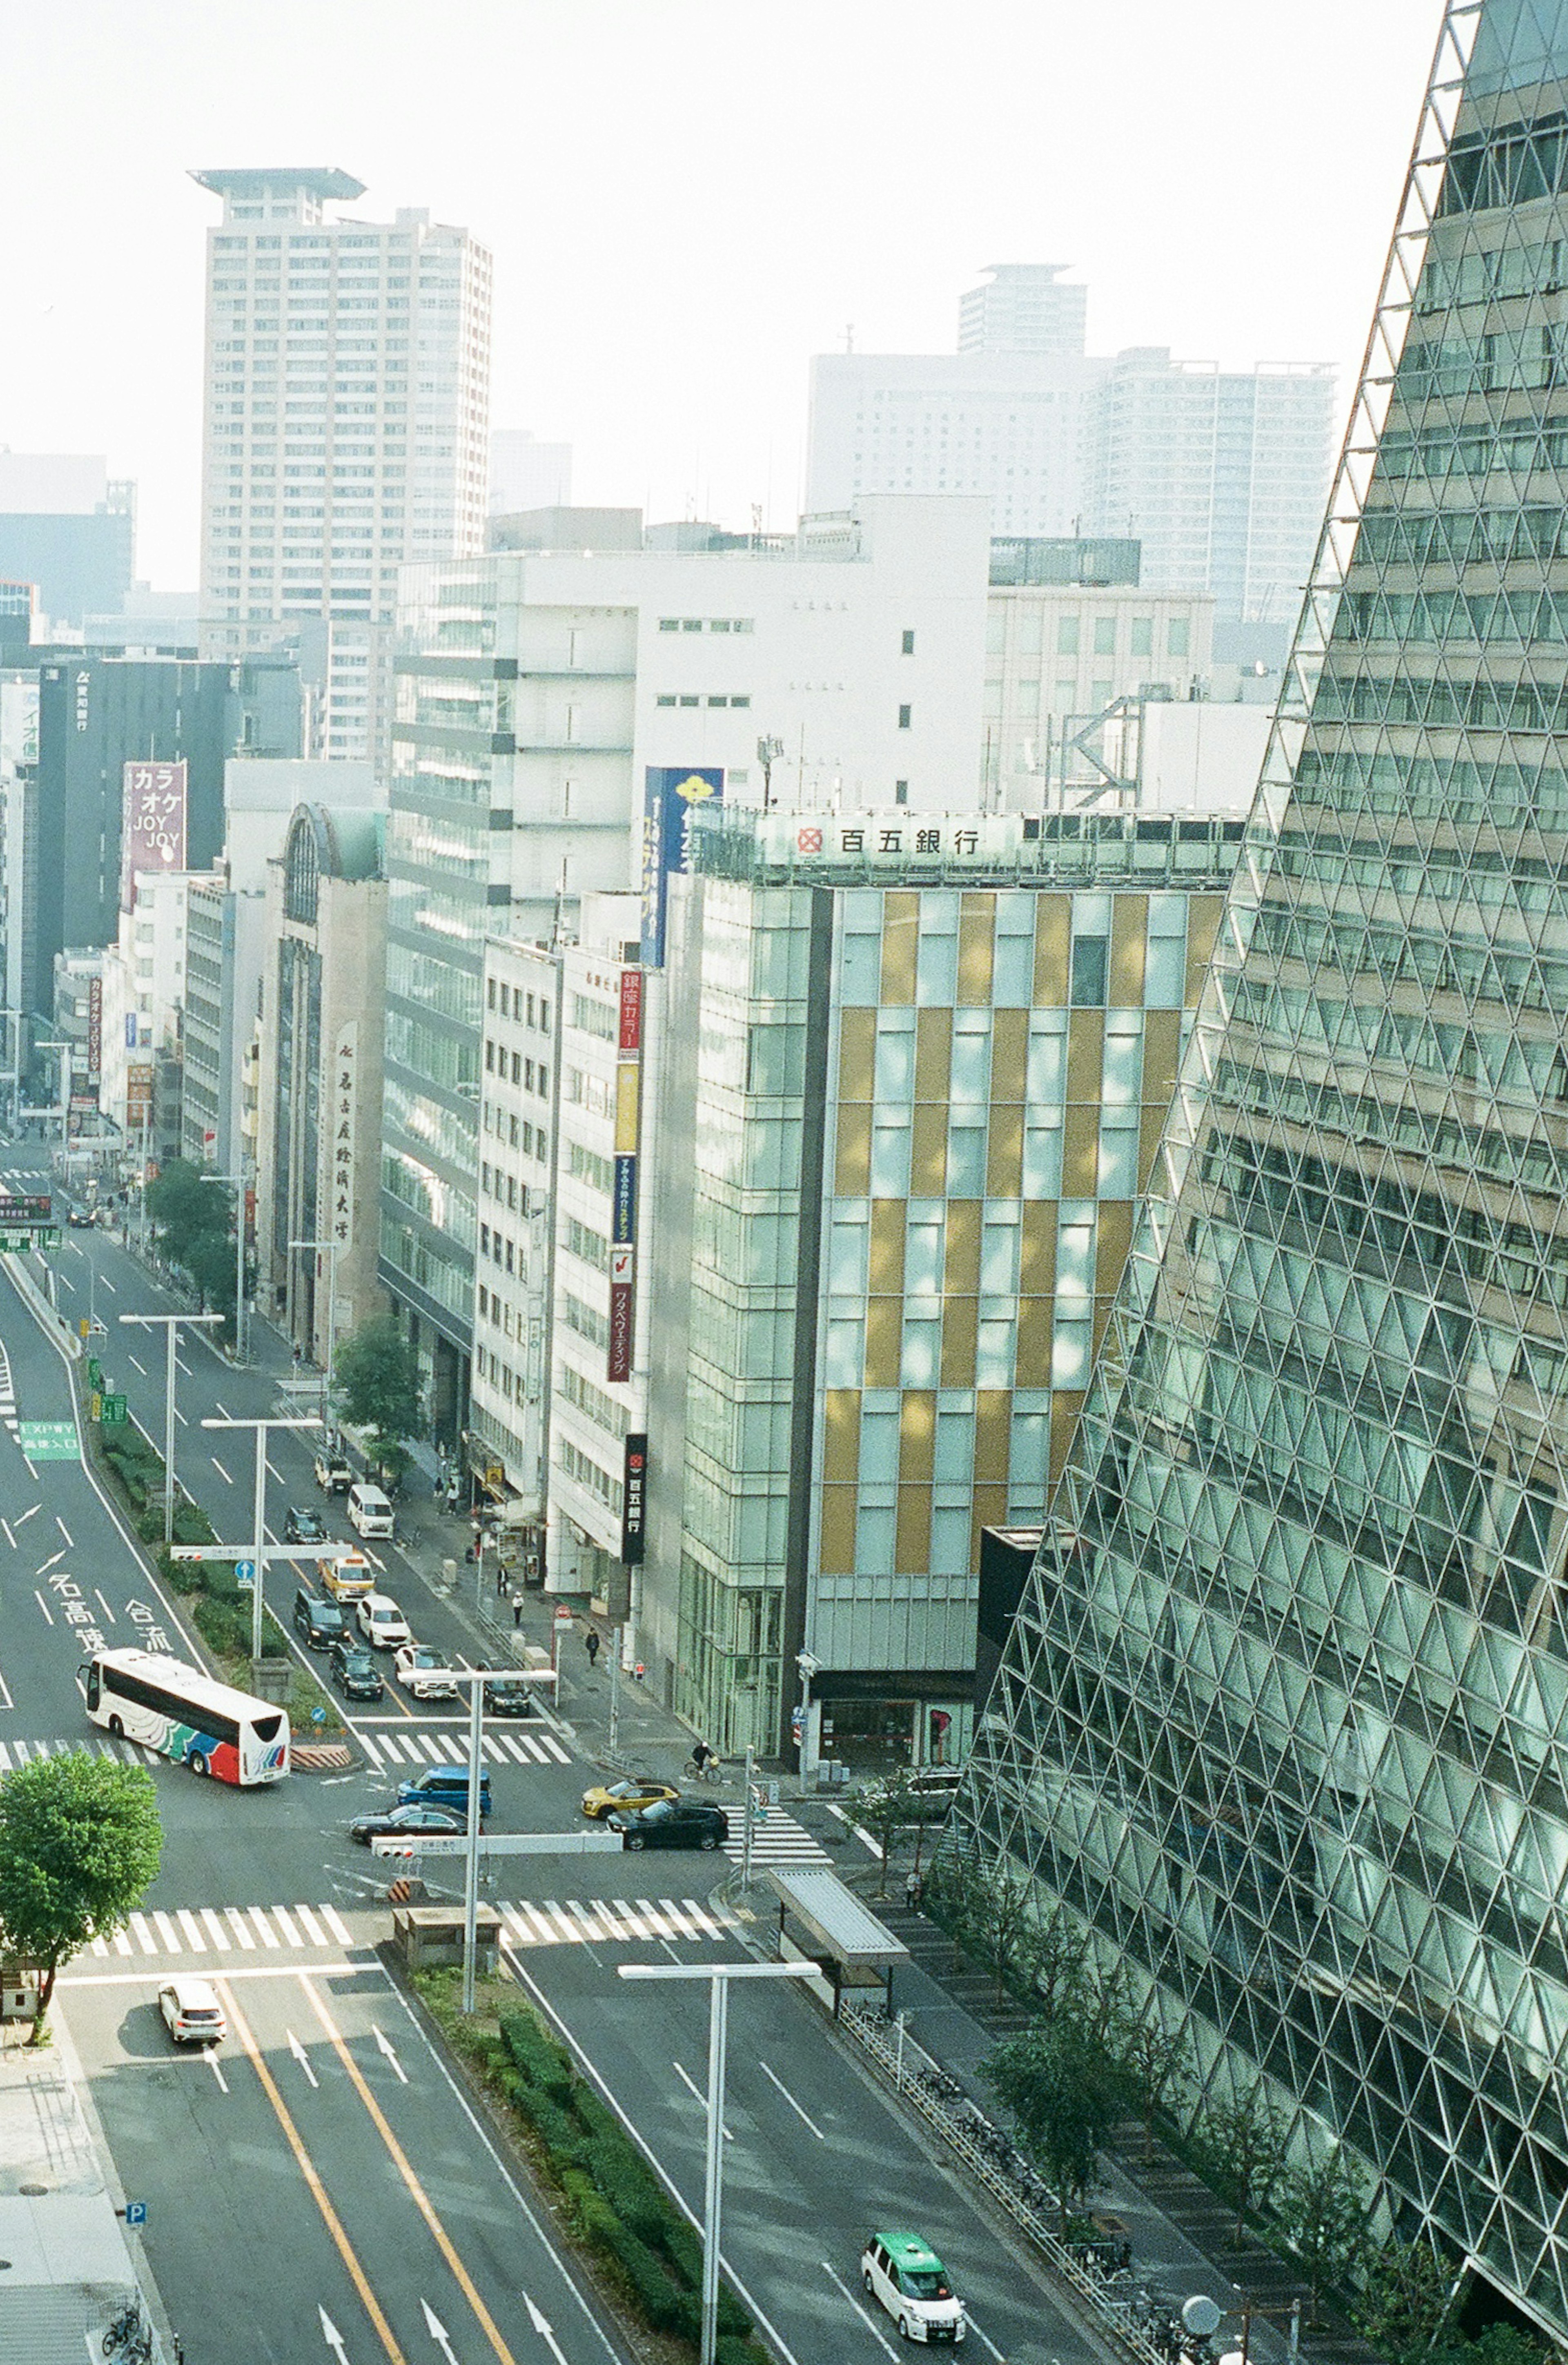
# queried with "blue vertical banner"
point(669, 792)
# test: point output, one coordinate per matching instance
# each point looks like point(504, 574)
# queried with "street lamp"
point(717, 1976)
point(261, 1428)
point(329, 1249)
point(171, 1323)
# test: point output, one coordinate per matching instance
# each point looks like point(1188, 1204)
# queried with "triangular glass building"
point(1283, 1717)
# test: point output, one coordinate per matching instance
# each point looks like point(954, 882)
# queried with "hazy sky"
point(685, 200)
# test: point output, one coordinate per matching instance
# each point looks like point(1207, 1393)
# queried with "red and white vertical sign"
point(94, 1028)
point(631, 1010)
point(623, 1290)
point(155, 810)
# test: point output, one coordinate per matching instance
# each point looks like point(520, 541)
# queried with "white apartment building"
point(1022, 308)
point(1058, 655)
point(346, 423)
point(144, 996)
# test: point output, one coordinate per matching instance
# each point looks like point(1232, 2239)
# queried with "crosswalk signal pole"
point(617, 1644)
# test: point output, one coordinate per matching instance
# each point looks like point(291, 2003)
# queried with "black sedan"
point(354, 1672)
point(505, 1695)
point(79, 1219)
point(304, 1526)
point(671, 1822)
point(407, 1822)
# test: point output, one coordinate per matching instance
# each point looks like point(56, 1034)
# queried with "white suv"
point(910, 2281)
point(382, 1623)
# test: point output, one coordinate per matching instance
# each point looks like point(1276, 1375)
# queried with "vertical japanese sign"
point(94, 1028)
point(669, 796)
point(343, 1103)
point(154, 824)
point(635, 1499)
point(623, 1209)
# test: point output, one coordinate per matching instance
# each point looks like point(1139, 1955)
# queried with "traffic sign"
point(49, 1440)
point(14, 1243)
point(14, 1211)
point(245, 1576)
point(116, 1412)
point(136, 2212)
point(318, 1714)
point(95, 1369)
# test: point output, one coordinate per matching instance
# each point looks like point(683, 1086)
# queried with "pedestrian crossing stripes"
point(543, 1921)
point(779, 1839)
point(212, 1929)
point(20, 1752)
point(418, 1747)
point(7, 1392)
point(227, 1930)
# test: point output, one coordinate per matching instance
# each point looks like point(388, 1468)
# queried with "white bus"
point(177, 1710)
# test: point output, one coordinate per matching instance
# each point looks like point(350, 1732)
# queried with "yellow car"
point(606, 1796)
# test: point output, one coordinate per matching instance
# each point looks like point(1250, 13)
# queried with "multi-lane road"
point(321, 2186)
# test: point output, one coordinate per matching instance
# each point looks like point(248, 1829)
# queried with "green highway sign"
point(18, 1243)
point(95, 1374)
point(49, 1440)
point(116, 1413)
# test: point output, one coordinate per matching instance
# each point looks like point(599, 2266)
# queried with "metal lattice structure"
point(1284, 1718)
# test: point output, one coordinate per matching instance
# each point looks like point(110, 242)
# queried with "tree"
point(1054, 1960)
point(1322, 2209)
point(377, 1377)
point(80, 1842)
point(1155, 2064)
point(184, 1205)
point(1411, 2297)
point(1053, 2080)
point(885, 1807)
point(1245, 2145)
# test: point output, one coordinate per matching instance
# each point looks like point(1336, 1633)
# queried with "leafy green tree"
point(885, 1807)
point(377, 1377)
point(1322, 2210)
point(80, 1841)
point(1154, 2064)
point(1052, 2079)
point(1410, 2298)
point(1053, 1960)
point(1244, 2144)
point(183, 1205)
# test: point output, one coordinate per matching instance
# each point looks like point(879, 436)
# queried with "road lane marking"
point(222, 1409)
point(871, 2327)
point(221, 1470)
point(416, 2190)
point(140, 1365)
point(696, 2093)
point(314, 1935)
point(10, 1539)
point(310, 2171)
point(104, 1283)
point(182, 1362)
point(181, 1417)
point(70, 1539)
point(187, 1923)
point(384, 2045)
point(6, 1699)
point(301, 2056)
point(31, 1513)
point(104, 1606)
point(790, 2098)
point(42, 1605)
point(50, 1562)
point(337, 1925)
point(211, 2053)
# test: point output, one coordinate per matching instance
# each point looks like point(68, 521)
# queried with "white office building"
point(346, 425)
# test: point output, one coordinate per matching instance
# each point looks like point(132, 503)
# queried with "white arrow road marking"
point(871, 2325)
point(542, 2325)
point(26, 1516)
point(332, 2336)
point(211, 2052)
point(696, 2095)
point(439, 2332)
point(792, 2102)
point(383, 2046)
point(50, 1562)
point(303, 2058)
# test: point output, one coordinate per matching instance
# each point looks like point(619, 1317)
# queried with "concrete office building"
point(346, 423)
point(536, 693)
point(69, 527)
point(143, 1002)
point(1279, 1730)
point(319, 1075)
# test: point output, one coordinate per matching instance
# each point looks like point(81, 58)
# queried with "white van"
point(370, 1511)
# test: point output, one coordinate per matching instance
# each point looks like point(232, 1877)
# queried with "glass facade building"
point(1283, 1714)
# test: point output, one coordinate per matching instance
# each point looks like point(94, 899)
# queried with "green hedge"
point(614, 2203)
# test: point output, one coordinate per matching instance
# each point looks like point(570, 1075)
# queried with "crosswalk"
point(417, 1747)
point(21, 1752)
point(779, 1839)
point(7, 1392)
point(543, 1921)
point(180, 1933)
point(227, 1930)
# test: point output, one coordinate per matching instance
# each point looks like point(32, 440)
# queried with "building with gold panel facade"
point(913, 1077)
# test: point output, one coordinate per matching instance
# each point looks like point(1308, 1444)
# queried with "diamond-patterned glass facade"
point(1285, 1714)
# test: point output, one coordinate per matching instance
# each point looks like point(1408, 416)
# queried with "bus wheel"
point(117, 1727)
point(196, 1762)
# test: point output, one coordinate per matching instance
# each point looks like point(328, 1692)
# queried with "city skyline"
point(658, 297)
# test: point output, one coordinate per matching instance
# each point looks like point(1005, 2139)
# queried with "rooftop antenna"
point(850, 336)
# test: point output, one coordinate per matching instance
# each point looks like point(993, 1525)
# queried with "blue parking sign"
point(136, 2212)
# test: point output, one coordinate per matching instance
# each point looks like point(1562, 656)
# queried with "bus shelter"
point(821, 1921)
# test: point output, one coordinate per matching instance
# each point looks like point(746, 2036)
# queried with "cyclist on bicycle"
point(703, 1756)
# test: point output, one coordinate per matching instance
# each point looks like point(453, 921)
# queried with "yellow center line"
point(310, 2171)
point(443, 2242)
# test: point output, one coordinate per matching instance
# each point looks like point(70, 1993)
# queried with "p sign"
point(136, 2212)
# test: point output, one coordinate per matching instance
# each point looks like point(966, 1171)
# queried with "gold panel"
point(1053, 944)
point(976, 926)
point(928, 1149)
point(1005, 1153)
point(1085, 1055)
point(1038, 1249)
point(1066, 1405)
point(1009, 1056)
point(912, 1543)
point(1081, 1153)
point(887, 1246)
point(917, 1438)
point(1162, 1055)
point(960, 1322)
point(857, 1054)
point(852, 1168)
point(1203, 927)
point(1112, 1238)
point(1129, 928)
point(932, 1055)
point(990, 1511)
point(1150, 1126)
point(628, 1102)
point(900, 933)
point(993, 1435)
point(836, 1543)
point(884, 1341)
point(841, 1436)
point(1032, 1363)
point(960, 1275)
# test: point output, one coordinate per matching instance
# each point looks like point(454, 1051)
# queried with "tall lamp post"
point(329, 1249)
point(262, 1429)
point(170, 1323)
point(719, 1975)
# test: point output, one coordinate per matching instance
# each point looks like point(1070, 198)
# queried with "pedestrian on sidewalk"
point(502, 1582)
point(591, 1644)
point(517, 1609)
point(913, 1890)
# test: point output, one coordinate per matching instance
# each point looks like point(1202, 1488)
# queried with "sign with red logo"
point(631, 1010)
point(635, 1498)
point(810, 841)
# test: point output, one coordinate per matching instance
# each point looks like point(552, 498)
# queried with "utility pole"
point(171, 1323)
point(262, 1429)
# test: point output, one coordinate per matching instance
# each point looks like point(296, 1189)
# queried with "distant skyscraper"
point(528, 475)
point(1280, 1729)
point(1022, 308)
point(347, 420)
point(67, 526)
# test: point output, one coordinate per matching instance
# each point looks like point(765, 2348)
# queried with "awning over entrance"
point(838, 1921)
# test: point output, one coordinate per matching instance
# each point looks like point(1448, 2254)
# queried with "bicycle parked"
point(130, 2337)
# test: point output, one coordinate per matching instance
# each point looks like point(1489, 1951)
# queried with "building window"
point(1090, 962)
point(904, 714)
point(909, 644)
point(1067, 636)
point(1176, 637)
point(1143, 636)
point(1104, 636)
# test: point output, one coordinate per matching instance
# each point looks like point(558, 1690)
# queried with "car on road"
point(382, 1623)
point(623, 1797)
point(445, 1785)
point(670, 1823)
point(192, 2014)
point(348, 1579)
point(407, 1822)
point(905, 2274)
point(319, 1623)
point(304, 1526)
point(333, 1474)
point(509, 1695)
point(79, 1219)
point(423, 1671)
point(354, 1672)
